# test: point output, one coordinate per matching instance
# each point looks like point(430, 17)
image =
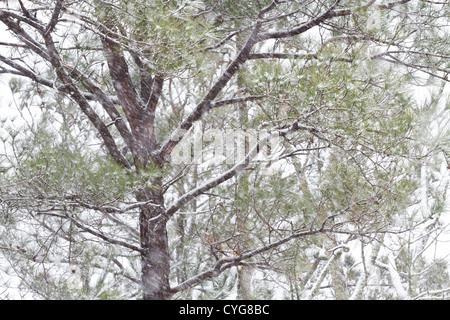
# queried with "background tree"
point(96, 202)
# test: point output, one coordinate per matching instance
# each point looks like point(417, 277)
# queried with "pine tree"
point(166, 146)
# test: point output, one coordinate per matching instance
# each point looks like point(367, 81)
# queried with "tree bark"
point(155, 257)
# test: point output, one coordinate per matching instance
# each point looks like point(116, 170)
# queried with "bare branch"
point(275, 55)
point(240, 166)
point(270, 7)
point(33, 22)
point(391, 5)
point(220, 179)
point(158, 83)
point(112, 209)
point(222, 42)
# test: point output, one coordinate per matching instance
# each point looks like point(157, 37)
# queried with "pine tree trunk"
point(338, 279)
point(155, 257)
point(245, 275)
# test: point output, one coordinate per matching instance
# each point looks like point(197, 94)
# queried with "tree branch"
point(423, 68)
point(23, 72)
point(330, 13)
point(14, 45)
point(50, 54)
point(391, 5)
point(140, 118)
point(207, 102)
point(23, 36)
point(103, 236)
point(83, 103)
point(275, 55)
point(108, 105)
point(31, 21)
point(228, 262)
point(54, 19)
point(220, 179)
point(122, 82)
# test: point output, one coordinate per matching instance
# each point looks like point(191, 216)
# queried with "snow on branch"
point(234, 100)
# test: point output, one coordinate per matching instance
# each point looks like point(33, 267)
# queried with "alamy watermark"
point(231, 146)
